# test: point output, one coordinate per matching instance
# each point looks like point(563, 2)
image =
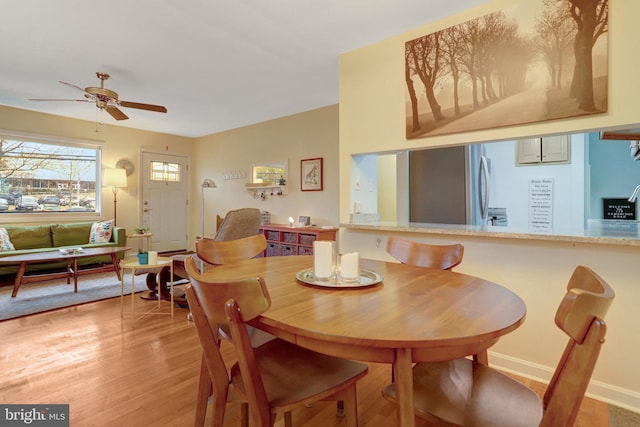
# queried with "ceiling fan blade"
point(149, 107)
point(73, 86)
point(116, 113)
point(50, 99)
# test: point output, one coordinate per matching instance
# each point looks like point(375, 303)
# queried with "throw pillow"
point(5, 241)
point(101, 232)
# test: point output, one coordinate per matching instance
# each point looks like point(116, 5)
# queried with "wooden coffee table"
point(72, 265)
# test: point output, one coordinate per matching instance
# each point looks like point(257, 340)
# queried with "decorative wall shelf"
point(263, 190)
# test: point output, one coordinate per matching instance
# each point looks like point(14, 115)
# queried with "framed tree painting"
point(533, 61)
point(311, 174)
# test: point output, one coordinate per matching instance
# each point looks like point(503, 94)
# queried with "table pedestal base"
point(160, 280)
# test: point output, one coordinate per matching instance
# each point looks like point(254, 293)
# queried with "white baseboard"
point(617, 396)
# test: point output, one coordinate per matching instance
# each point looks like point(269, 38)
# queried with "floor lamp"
point(207, 183)
point(115, 178)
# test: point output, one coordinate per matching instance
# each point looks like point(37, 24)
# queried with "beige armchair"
point(239, 223)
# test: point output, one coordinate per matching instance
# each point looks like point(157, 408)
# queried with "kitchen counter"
point(606, 232)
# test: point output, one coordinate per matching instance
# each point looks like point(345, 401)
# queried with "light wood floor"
point(115, 372)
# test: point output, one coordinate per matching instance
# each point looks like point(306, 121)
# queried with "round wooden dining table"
point(413, 314)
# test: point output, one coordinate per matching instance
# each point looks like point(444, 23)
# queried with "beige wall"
point(117, 142)
point(372, 106)
point(301, 136)
point(293, 138)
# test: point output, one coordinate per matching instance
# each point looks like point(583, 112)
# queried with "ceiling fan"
point(106, 99)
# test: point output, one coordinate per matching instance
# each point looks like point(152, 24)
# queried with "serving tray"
point(367, 278)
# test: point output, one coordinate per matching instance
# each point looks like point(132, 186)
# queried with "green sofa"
point(48, 237)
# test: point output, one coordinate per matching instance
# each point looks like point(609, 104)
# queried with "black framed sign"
point(618, 209)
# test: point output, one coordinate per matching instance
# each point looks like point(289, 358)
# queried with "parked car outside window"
point(4, 205)
point(27, 203)
point(10, 198)
point(51, 200)
point(28, 170)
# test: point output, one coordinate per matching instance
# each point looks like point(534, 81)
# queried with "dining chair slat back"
point(442, 257)
point(581, 316)
point(215, 252)
point(464, 392)
point(273, 378)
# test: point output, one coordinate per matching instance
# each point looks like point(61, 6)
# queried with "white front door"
point(164, 199)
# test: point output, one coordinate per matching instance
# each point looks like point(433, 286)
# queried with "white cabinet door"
point(555, 148)
point(529, 151)
point(550, 149)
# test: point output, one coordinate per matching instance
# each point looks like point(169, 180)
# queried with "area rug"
point(619, 417)
point(49, 295)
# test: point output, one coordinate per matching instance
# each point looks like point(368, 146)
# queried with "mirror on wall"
point(487, 185)
point(267, 174)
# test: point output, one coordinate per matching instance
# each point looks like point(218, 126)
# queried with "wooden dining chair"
point(442, 257)
point(273, 378)
point(466, 393)
point(214, 252)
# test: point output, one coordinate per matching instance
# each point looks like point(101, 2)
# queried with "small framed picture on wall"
point(311, 174)
point(304, 221)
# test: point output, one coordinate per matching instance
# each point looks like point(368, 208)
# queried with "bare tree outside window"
point(61, 177)
point(537, 60)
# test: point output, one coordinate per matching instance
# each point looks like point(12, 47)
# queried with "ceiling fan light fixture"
point(107, 100)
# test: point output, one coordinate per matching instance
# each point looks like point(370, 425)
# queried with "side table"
point(133, 264)
point(146, 236)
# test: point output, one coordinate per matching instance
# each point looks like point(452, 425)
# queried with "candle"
point(153, 257)
point(323, 259)
point(349, 266)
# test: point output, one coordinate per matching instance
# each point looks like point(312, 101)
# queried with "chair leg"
point(482, 357)
point(350, 401)
point(287, 419)
point(218, 407)
point(244, 414)
point(204, 391)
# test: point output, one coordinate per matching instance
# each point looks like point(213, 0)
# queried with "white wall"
point(364, 183)
point(509, 186)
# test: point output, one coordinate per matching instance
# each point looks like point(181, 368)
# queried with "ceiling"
point(214, 65)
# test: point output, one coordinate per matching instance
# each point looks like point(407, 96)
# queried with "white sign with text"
point(541, 205)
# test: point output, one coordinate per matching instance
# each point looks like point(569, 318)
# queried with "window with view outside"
point(48, 176)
